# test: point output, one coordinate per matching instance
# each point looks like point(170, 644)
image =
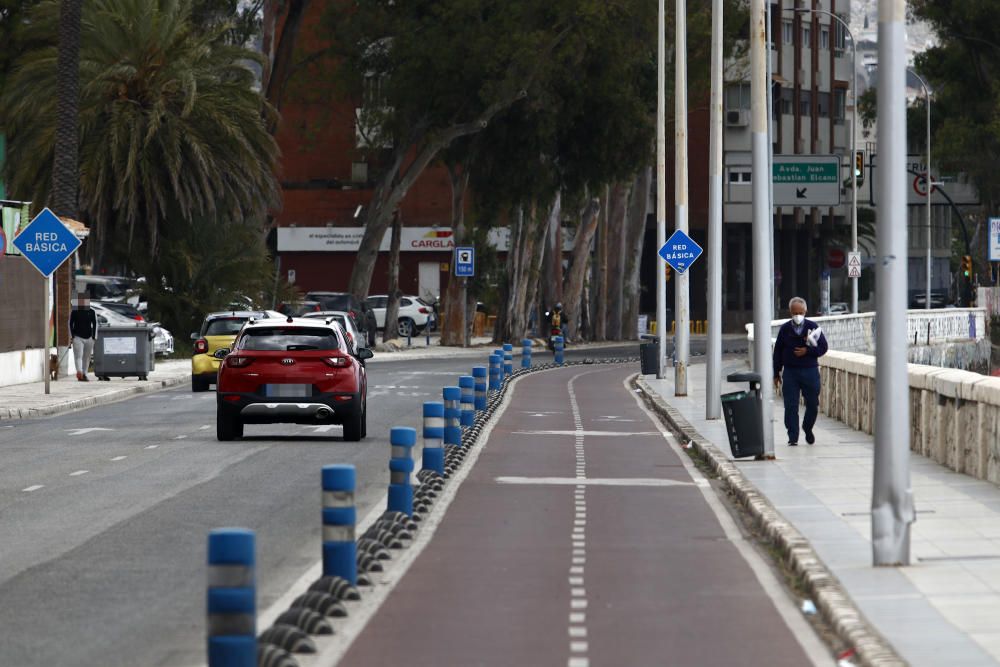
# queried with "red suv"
point(292, 371)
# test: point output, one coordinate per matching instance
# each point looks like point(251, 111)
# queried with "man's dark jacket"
point(788, 340)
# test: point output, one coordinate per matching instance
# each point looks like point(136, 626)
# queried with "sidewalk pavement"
point(944, 608)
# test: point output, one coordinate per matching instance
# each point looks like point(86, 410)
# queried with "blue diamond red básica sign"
point(680, 251)
point(46, 242)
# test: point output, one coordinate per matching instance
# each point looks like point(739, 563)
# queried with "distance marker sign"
point(680, 251)
point(46, 242)
point(465, 262)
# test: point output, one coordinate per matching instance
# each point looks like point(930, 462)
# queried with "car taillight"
point(422, 310)
point(238, 361)
point(352, 314)
point(336, 362)
point(200, 346)
point(138, 318)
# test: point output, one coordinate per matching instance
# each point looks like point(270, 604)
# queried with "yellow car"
point(218, 332)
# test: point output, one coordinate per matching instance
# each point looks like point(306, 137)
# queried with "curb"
point(72, 405)
point(837, 608)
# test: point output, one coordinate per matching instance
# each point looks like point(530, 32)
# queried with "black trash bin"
point(742, 412)
point(649, 357)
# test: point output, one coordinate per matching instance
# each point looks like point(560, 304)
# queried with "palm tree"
point(171, 122)
point(65, 177)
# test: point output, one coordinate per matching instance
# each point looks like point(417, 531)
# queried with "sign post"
point(46, 243)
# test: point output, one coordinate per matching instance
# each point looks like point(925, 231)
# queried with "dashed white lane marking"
point(579, 662)
point(594, 481)
point(33, 487)
point(85, 431)
point(179, 437)
point(577, 628)
point(119, 458)
point(204, 428)
point(77, 473)
point(151, 446)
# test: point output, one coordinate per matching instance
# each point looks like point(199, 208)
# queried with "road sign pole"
point(762, 275)
point(892, 497)
point(713, 378)
point(46, 285)
point(661, 196)
point(681, 285)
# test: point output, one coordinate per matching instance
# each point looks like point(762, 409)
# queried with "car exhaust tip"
point(324, 413)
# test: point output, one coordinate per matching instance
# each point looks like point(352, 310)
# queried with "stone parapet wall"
point(954, 414)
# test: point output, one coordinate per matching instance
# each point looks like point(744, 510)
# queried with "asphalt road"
point(104, 514)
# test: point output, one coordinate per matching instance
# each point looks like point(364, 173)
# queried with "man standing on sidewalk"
point(83, 330)
point(799, 344)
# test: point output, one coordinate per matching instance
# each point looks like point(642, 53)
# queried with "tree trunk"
point(453, 325)
point(573, 291)
point(635, 233)
point(601, 287)
point(616, 259)
point(392, 305)
point(279, 62)
point(66, 165)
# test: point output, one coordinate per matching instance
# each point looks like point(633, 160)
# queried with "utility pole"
point(762, 273)
point(682, 300)
point(713, 378)
point(661, 195)
point(892, 497)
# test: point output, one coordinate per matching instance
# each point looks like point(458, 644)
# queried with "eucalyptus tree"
point(171, 123)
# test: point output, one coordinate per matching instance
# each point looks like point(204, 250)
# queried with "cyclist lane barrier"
point(583, 535)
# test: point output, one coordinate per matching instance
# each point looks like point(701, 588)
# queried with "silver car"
point(346, 321)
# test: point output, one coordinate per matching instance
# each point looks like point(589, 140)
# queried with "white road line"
point(577, 632)
point(119, 458)
point(204, 428)
point(77, 473)
point(152, 446)
point(610, 434)
point(577, 617)
point(578, 594)
point(34, 487)
point(179, 437)
point(578, 662)
point(593, 481)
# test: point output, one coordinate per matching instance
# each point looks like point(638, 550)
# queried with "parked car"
point(216, 336)
point(298, 371)
point(299, 308)
point(349, 324)
point(126, 309)
point(414, 313)
point(163, 340)
point(839, 308)
point(348, 303)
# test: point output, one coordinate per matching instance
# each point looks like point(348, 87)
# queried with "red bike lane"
point(580, 537)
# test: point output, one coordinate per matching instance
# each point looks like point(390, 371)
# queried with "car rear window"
point(288, 339)
point(333, 301)
point(224, 326)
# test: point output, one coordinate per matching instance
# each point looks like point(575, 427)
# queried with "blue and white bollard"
point(433, 456)
point(479, 375)
point(526, 353)
point(508, 359)
point(340, 555)
point(468, 384)
point(558, 344)
point(452, 416)
point(402, 439)
point(232, 598)
point(494, 373)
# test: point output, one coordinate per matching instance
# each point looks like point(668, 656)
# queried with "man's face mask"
point(798, 319)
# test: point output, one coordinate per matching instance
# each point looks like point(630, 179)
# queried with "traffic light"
point(859, 167)
point(967, 266)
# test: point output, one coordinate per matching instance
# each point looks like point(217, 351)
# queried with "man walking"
point(83, 329)
point(799, 344)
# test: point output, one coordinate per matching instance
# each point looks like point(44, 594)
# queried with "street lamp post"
point(929, 183)
point(661, 197)
point(854, 123)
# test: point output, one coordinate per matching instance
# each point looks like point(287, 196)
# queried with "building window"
point(738, 96)
point(839, 104)
point(807, 36)
point(824, 39)
point(823, 104)
point(839, 38)
point(787, 32)
point(739, 175)
point(787, 99)
point(805, 103)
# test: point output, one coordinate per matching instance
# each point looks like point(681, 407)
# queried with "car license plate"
point(288, 390)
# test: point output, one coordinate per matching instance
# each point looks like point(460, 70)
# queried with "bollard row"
point(451, 429)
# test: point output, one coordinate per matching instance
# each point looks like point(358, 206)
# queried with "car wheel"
point(198, 384)
point(354, 426)
point(227, 427)
point(406, 327)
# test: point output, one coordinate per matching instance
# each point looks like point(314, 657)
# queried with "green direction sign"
point(806, 180)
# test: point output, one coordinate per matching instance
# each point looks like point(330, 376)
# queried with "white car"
point(346, 321)
point(163, 340)
point(414, 314)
